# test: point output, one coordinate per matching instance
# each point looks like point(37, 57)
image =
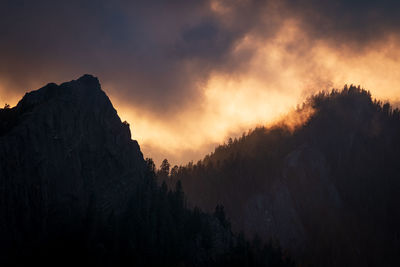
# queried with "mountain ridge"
point(327, 190)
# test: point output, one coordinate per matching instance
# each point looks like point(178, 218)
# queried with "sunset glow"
point(215, 72)
point(274, 82)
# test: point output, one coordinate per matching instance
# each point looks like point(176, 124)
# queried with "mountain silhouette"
point(76, 190)
point(54, 138)
point(327, 190)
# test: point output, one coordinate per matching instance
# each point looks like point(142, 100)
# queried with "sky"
point(188, 74)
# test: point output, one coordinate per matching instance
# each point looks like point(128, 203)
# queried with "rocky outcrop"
point(65, 157)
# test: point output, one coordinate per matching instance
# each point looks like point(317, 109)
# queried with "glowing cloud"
point(281, 74)
point(189, 74)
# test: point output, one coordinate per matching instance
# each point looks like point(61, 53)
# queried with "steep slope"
point(61, 131)
point(64, 152)
point(328, 190)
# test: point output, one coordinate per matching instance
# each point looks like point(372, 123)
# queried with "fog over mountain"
point(327, 189)
point(216, 137)
point(318, 188)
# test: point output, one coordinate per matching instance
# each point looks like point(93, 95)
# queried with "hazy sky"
point(187, 74)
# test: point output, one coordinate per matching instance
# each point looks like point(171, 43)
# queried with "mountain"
point(75, 189)
point(52, 139)
point(328, 190)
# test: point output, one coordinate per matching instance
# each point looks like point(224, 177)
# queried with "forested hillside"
point(328, 190)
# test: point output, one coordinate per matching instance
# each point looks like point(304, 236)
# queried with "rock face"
point(302, 209)
point(65, 155)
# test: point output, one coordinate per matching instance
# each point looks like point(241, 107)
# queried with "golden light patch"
point(8, 97)
point(282, 73)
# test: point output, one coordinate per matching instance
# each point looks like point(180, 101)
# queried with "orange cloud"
point(282, 73)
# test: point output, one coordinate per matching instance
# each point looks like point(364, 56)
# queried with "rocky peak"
point(64, 148)
point(85, 90)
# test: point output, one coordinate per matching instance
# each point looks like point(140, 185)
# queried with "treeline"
point(156, 228)
point(8, 118)
point(340, 169)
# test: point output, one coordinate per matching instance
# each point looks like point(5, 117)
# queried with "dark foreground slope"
point(329, 191)
point(75, 189)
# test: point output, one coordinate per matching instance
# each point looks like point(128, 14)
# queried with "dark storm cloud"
point(155, 53)
point(352, 22)
point(150, 51)
point(204, 41)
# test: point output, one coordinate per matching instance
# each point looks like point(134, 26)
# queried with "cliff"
point(66, 160)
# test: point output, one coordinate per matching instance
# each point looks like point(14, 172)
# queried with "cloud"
point(349, 22)
point(187, 74)
point(153, 53)
point(160, 51)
